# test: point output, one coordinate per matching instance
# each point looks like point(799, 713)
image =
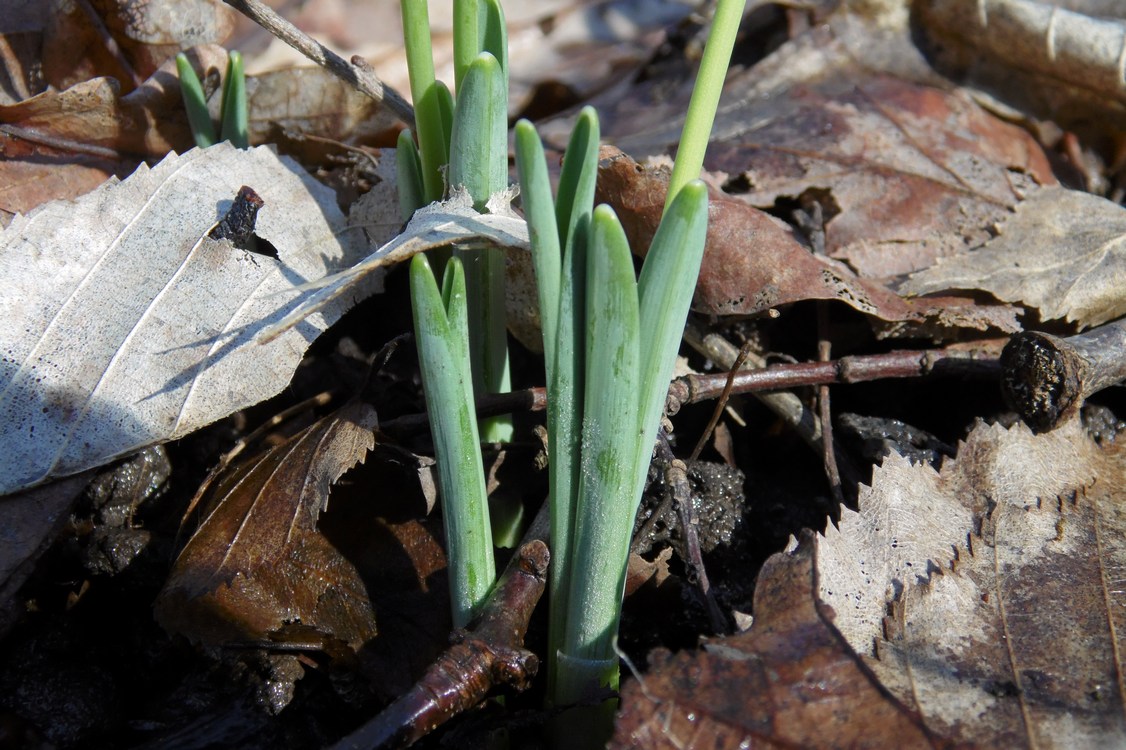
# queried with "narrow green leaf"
point(580, 172)
point(234, 109)
point(565, 407)
point(467, 37)
point(449, 402)
point(494, 35)
point(666, 286)
point(432, 113)
point(203, 131)
point(539, 211)
point(433, 138)
point(705, 96)
point(604, 517)
point(408, 172)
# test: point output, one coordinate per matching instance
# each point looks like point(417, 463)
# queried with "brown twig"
point(691, 389)
point(828, 445)
point(490, 652)
point(721, 403)
point(357, 73)
point(1046, 378)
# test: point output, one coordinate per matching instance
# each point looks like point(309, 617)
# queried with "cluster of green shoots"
point(610, 339)
point(233, 116)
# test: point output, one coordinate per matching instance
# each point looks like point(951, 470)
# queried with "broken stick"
point(1047, 378)
point(489, 653)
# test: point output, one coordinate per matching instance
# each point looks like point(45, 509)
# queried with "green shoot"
point(195, 102)
point(234, 115)
point(705, 96)
point(234, 108)
point(441, 322)
point(408, 171)
point(479, 163)
point(431, 98)
point(560, 279)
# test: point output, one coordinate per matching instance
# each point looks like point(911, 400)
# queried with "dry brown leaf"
point(32, 174)
point(846, 130)
point(790, 681)
point(1002, 576)
point(752, 261)
point(312, 100)
point(148, 33)
point(149, 121)
point(257, 563)
point(1014, 640)
point(1062, 252)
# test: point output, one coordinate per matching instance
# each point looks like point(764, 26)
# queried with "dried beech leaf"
point(789, 681)
point(257, 562)
point(752, 261)
point(311, 100)
point(1015, 641)
point(124, 325)
point(905, 526)
point(1063, 252)
point(440, 224)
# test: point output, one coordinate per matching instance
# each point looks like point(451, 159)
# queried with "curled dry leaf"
point(1038, 54)
point(1062, 252)
point(125, 325)
point(440, 224)
point(257, 564)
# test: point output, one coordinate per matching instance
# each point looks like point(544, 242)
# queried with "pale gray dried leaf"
point(440, 224)
point(903, 526)
point(124, 325)
point(1063, 252)
point(1017, 644)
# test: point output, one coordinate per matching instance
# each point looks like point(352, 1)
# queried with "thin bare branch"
point(357, 72)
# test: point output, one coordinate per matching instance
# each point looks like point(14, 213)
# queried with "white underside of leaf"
point(123, 325)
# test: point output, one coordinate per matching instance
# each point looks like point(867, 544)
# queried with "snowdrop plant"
point(610, 339)
point(233, 110)
point(610, 342)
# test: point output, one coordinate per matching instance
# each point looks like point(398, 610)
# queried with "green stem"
point(705, 96)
